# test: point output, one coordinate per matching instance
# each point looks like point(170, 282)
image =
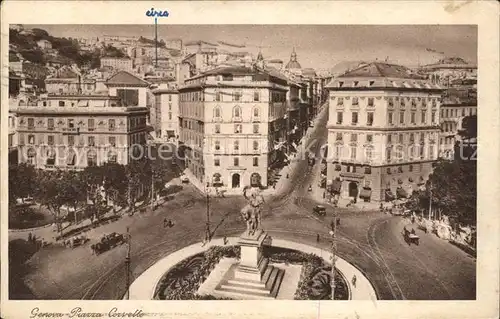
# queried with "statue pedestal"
point(252, 277)
point(252, 263)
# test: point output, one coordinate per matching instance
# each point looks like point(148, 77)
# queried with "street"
point(371, 241)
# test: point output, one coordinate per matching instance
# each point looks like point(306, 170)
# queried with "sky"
point(317, 46)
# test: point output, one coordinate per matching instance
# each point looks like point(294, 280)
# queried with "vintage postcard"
point(239, 159)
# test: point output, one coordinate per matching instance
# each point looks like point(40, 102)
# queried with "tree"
point(22, 182)
point(159, 177)
point(115, 182)
point(39, 34)
point(92, 177)
point(137, 175)
point(469, 127)
point(33, 55)
point(73, 191)
point(50, 194)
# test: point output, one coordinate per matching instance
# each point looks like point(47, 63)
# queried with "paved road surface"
point(369, 240)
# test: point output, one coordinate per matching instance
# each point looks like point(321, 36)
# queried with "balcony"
point(71, 131)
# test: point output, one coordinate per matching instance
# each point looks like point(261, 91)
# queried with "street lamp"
point(333, 234)
point(207, 235)
point(127, 265)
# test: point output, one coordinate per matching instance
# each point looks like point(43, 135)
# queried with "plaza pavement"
point(144, 286)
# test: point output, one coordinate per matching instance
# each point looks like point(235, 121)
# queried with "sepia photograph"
point(239, 162)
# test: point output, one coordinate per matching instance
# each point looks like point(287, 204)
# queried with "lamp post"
point(127, 266)
point(207, 235)
point(333, 234)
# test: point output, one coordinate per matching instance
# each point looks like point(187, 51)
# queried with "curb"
point(144, 286)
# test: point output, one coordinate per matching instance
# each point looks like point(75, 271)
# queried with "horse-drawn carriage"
point(107, 242)
point(76, 241)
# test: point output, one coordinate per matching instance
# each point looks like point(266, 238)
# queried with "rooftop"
point(126, 78)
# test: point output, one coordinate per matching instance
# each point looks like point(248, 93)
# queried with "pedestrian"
point(317, 238)
point(165, 222)
point(354, 281)
point(30, 238)
point(225, 240)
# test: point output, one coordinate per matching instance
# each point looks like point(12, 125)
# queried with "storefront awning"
point(365, 193)
point(401, 193)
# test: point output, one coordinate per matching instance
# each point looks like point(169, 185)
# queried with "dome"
point(293, 63)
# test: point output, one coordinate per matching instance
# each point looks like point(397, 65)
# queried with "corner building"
point(229, 119)
point(383, 132)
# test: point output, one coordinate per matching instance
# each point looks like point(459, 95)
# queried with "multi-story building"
point(449, 72)
point(455, 106)
point(229, 119)
point(44, 44)
point(66, 80)
point(12, 138)
point(75, 131)
point(166, 107)
point(118, 64)
point(383, 132)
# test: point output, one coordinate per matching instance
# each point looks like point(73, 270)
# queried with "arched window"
point(237, 112)
point(217, 112)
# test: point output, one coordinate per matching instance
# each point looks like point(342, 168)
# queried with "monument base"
point(253, 277)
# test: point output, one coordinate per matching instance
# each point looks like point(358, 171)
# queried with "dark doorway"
point(255, 180)
point(353, 189)
point(235, 181)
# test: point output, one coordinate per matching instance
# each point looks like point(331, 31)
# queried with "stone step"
point(247, 286)
point(272, 278)
point(245, 282)
point(236, 294)
point(277, 283)
point(266, 274)
point(247, 291)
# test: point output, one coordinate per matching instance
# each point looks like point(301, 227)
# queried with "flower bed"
point(315, 279)
point(183, 280)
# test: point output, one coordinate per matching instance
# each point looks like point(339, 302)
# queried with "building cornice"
point(381, 129)
point(384, 88)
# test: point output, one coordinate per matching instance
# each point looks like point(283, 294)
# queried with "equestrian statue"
point(251, 213)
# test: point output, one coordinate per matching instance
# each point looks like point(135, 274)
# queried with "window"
point(91, 124)
point(217, 145)
point(237, 112)
point(71, 140)
point(402, 117)
point(61, 103)
point(237, 96)
point(338, 168)
point(91, 158)
point(256, 112)
point(128, 96)
point(354, 118)
point(413, 103)
point(217, 112)
point(423, 117)
point(50, 124)
point(44, 103)
point(412, 138)
point(433, 117)
point(91, 140)
point(236, 161)
point(389, 139)
point(412, 119)
point(255, 161)
point(421, 151)
point(355, 101)
point(237, 128)
point(255, 145)
point(217, 162)
point(339, 137)
point(50, 140)
point(354, 137)
point(170, 106)
point(422, 136)
point(170, 98)
point(410, 168)
point(369, 153)
point(463, 112)
point(368, 170)
point(391, 102)
point(369, 138)
point(369, 118)
point(217, 96)
point(71, 123)
point(217, 128)
point(388, 154)
point(31, 123)
point(340, 118)
point(111, 124)
point(236, 145)
point(170, 116)
point(400, 138)
point(340, 101)
point(353, 152)
point(370, 101)
point(389, 118)
point(112, 141)
point(256, 128)
point(447, 112)
point(431, 151)
point(31, 139)
point(256, 96)
point(389, 170)
point(400, 169)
